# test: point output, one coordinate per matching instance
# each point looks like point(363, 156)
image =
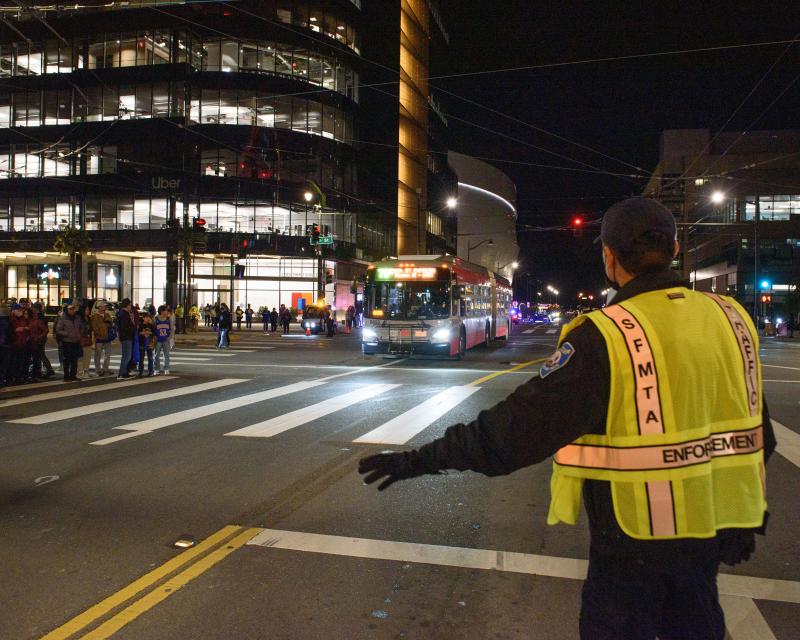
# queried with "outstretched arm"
point(535, 421)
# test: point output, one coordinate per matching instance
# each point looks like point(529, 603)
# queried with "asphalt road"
point(252, 452)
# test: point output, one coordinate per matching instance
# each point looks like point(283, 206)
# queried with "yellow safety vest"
point(683, 448)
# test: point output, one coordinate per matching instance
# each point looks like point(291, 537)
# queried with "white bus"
point(433, 305)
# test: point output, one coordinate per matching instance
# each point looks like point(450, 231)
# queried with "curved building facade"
point(487, 215)
point(136, 121)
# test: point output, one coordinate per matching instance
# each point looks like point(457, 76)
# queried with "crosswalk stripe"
point(38, 385)
point(182, 353)
point(401, 429)
point(528, 331)
point(146, 426)
point(66, 414)
point(788, 442)
point(293, 419)
point(171, 359)
point(83, 390)
point(551, 330)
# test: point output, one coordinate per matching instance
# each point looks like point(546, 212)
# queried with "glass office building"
point(135, 120)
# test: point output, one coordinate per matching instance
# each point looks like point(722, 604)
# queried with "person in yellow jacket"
point(179, 319)
point(666, 445)
point(194, 318)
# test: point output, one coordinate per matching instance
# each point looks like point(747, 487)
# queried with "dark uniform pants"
point(624, 599)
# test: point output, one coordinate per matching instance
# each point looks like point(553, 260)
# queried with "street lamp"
point(307, 196)
point(452, 203)
point(718, 197)
point(489, 242)
point(514, 266)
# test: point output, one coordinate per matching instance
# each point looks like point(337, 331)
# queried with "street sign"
point(323, 240)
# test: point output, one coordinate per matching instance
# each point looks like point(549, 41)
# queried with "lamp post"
point(718, 197)
point(307, 196)
point(514, 266)
point(489, 242)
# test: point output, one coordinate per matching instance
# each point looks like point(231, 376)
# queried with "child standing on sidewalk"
point(163, 336)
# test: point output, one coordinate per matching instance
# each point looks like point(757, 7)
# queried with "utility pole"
point(756, 256)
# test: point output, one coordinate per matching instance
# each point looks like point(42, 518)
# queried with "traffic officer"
point(667, 446)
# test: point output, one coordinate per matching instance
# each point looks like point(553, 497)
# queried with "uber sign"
point(161, 183)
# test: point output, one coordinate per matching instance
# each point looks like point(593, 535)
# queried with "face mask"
point(612, 284)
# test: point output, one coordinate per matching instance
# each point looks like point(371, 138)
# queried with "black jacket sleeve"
point(537, 419)
point(769, 433)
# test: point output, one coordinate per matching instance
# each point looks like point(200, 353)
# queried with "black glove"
point(736, 546)
point(394, 467)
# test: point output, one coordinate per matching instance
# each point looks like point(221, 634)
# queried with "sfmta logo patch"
point(559, 359)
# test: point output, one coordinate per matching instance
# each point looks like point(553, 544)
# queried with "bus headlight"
point(441, 335)
point(368, 334)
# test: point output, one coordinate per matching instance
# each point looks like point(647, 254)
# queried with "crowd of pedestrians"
point(86, 333)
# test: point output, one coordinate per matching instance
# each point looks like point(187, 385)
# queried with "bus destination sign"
point(406, 273)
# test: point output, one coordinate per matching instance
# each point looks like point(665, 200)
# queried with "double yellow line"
point(159, 584)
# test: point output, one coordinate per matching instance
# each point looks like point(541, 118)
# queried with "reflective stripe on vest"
point(665, 456)
point(746, 347)
point(683, 455)
point(648, 411)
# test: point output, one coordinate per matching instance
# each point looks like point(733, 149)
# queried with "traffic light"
point(239, 271)
point(766, 298)
point(198, 224)
point(328, 276)
point(315, 231)
point(577, 226)
point(242, 249)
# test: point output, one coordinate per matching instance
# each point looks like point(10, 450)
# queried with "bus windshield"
point(410, 300)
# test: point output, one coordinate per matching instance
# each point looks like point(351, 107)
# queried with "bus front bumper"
point(406, 348)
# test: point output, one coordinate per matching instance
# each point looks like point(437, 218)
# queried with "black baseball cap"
point(627, 221)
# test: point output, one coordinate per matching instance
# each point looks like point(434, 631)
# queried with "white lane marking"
point(38, 385)
point(42, 480)
point(401, 429)
point(202, 353)
point(743, 620)
point(197, 358)
point(551, 331)
point(777, 366)
point(222, 352)
point(147, 426)
point(361, 369)
point(80, 391)
point(512, 561)
point(66, 414)
point(279, 424)
point(789, 381)
point(528, 331)
point(788, 442)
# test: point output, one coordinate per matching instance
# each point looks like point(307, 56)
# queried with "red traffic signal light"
point(766, 298)
point(198, 222)
point(577, 221)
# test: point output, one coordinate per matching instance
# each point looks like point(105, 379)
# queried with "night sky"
point(618, 108)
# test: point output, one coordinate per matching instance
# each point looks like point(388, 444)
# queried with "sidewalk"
point(205, 335)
